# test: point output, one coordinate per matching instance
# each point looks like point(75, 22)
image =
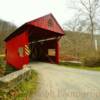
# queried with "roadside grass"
point(79, 66)
point(24, 90)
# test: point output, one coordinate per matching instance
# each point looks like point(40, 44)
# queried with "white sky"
point(21, 11)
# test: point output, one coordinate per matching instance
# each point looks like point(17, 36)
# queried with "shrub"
point(5, 68)
point(91, 61)
point(9, 69)
point(1, 62)
point(2, 66)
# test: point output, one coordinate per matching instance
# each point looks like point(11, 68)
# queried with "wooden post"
point(57, 52)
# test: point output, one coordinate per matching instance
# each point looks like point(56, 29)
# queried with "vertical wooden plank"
point(57, 52)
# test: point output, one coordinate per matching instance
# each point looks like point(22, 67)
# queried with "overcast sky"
point(21, 11)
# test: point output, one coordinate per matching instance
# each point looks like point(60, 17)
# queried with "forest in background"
point(78, 44)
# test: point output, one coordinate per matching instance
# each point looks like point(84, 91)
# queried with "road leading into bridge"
point(60, 83)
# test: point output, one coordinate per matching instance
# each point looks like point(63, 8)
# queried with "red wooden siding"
point(45, 21)
point(12, 46)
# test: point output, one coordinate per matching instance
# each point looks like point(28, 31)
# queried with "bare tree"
point(91, 7)
point(74, 25)
point(88, 12)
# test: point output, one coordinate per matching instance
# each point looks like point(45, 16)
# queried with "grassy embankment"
point(78, 66)
point(24, 90)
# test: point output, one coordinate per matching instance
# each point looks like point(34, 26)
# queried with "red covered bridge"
point(33, 41)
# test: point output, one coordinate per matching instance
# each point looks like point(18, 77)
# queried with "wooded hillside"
point(6, 28)
point(77, 44)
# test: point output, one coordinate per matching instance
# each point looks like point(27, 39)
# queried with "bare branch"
point(88, 11)
point(84, 5)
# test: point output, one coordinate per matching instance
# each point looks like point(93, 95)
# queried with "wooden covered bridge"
point(33, 41)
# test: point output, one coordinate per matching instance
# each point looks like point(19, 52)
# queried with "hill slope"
point(6, 28)
point(77, 44)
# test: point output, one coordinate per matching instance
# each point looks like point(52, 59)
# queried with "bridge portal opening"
point(43, 47)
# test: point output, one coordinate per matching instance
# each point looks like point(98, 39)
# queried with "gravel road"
point(61, 83)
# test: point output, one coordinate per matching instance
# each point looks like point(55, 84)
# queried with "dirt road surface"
point(60, 83)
